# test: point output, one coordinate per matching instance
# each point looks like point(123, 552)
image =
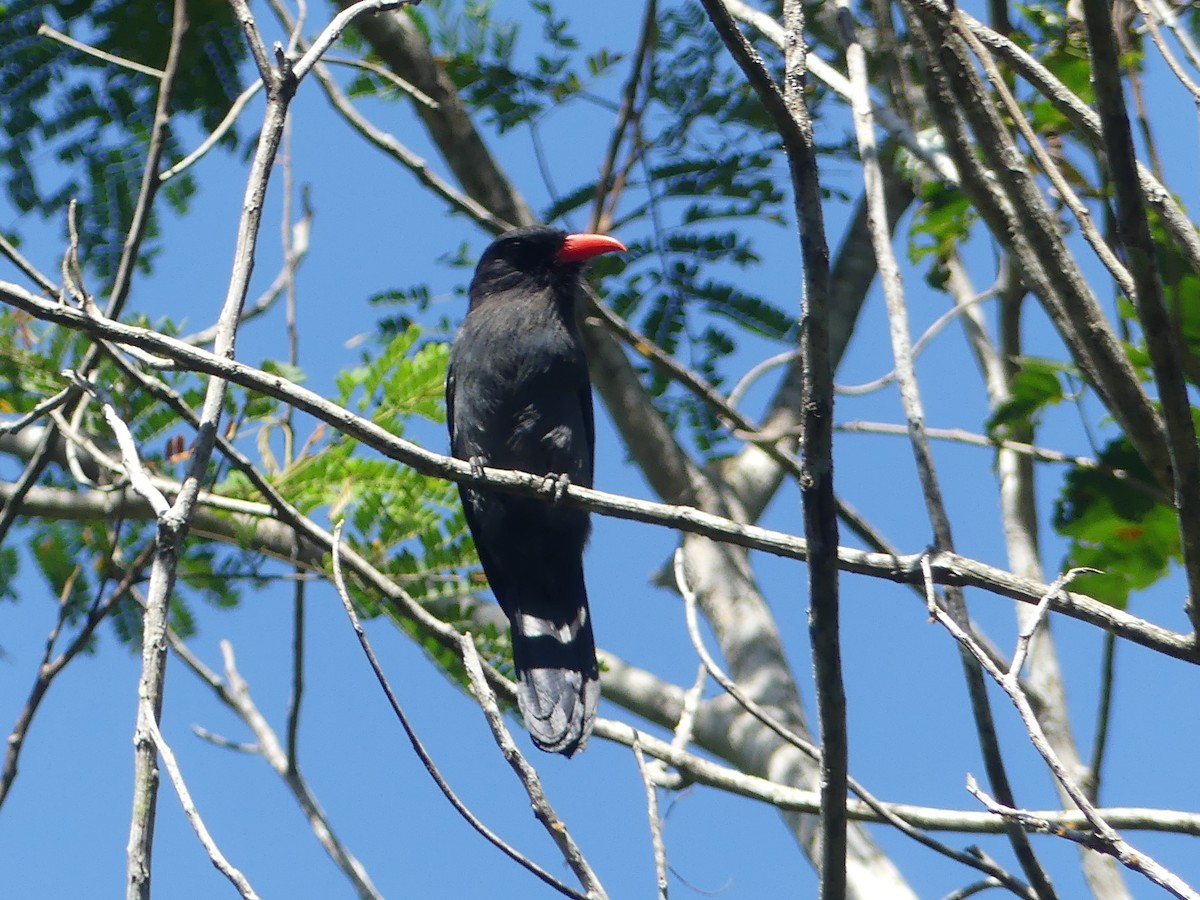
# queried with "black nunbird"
point(518, 397)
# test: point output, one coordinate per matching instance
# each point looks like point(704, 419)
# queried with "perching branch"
point(949, 568)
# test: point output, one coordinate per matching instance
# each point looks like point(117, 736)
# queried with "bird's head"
point(535, 258)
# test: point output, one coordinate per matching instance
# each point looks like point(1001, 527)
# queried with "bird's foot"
point(476, 463)
point(555, 484)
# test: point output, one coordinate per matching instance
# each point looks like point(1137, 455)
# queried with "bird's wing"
point(589, 424)
point(450, 403)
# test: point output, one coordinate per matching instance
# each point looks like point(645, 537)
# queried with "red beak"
point(578, 247)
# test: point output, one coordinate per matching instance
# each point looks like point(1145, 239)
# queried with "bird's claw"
point(476, 463)
point(555, 484)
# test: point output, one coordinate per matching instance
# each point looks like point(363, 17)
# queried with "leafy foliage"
point(94, 117)
point(1121, 525)
point(409, 524)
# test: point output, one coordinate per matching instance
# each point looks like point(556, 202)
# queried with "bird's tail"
point(558, 679)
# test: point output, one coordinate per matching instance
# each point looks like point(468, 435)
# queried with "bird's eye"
point(523, 254)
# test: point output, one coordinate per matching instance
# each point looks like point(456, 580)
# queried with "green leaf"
point(942, 222)
point(1036, 385)
point(1122, 526)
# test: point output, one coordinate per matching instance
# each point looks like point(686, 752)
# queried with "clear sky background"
point(64, 829)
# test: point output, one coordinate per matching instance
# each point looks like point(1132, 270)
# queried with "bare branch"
point(1029, 628)
point(215, 136)
point(193, 815)
point(526, 774)
point(235, 694)
point(139, 478)
point(334, 30)
point(656, 836)
point(29, 269)
point(701, 770)
point(949, 568)
point(386, 74)
point(45, 30)
point(1107, 839)
point(43, 408)
point(426, 760)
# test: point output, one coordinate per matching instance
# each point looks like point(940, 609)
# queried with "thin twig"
point(331, 32)
point(298, 594)
point(297, 695)
point(971, 890)
point(214, 136)
point(193, 816)
point(1107, 840)
point(139, 478)
point(301, 232)
point(387, 75)
point(526, 774)
point(922, 342)
point(1041, 454)
point(45, 30)
point(685, 726)
point(235, 694)
point(29, 269)
point(718, 674)
point(1095, 773)
point(773, 445)
point(656, 834)
point(419, 748)
point(625, 115)
point(757, 371)
point(225, 743)
point(43, 408)
point(1029, 629)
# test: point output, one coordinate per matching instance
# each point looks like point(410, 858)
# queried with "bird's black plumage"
point(518, 397)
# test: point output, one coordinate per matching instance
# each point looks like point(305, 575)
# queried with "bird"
point(518, 396)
